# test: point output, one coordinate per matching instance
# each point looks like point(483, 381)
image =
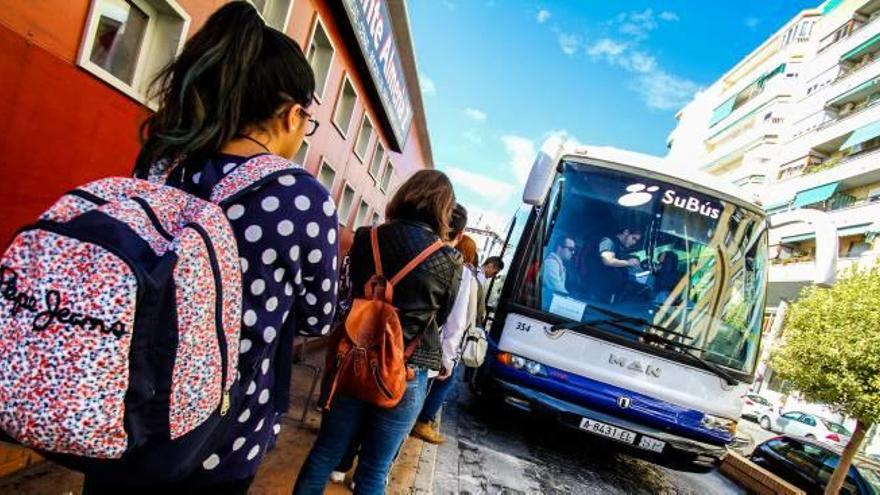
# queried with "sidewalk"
point(412, 473)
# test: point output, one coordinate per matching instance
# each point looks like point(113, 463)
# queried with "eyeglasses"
point(313, 123)
point(570, 248)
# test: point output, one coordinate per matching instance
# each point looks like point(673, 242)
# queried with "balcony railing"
point(844, 31)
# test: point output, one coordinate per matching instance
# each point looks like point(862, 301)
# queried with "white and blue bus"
point(634, 303)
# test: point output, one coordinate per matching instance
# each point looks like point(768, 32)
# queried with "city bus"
point(633, 306)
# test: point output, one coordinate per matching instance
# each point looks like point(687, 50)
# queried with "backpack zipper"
point(379, 381)
point(218, 316)
point(153, 218)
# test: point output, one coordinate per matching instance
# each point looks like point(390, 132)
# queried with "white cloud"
point(669, 16)
point(427, 85)
point(618, 53)
point(487, 187)
point(640, 62)
point(489, 218)
point(569, 43)
point(472, 137)
point(665, 91)
point(474, 114)
point(606, 47)
point(543, 15)
point(637, 24)
point(752, 22)
point(521, 154)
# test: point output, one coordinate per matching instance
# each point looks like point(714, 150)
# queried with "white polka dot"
point(285, 228)
point(244, 416)
point(258, 286)
point(269, 334)
point(269, 203)
point(211, 462)
point(197, 177)
point(328, 308)
point(235, 212)
point(325, 285)
point(238, 443)
point(287, 180)
point(284, 316)
point(279, 275)
point(302, 203)
point(264, 366)
point(244, 265)
point(259, 425)
point(312, 229)
point(294, 253)
point(314, 256)
point(334, 262)
point(331, 236)
point(288, 289)
point(312, 320)
point(244, 346)
point(253, 452)
point(329, 208)
point(325, 330)
point(269, 256)
point(276, 429)
point(311, 299)
point(264, 396)
point(298, 278)
point(253, 233)
point(250, 317)
point(228, 167)
point(272, 304)
point(251, 388)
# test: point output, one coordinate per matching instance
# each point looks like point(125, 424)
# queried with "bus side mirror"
point(825, 265)
point(541, 175)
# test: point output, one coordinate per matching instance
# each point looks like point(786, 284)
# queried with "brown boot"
point(426, 432)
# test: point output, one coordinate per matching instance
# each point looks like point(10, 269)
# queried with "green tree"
point(831, 353)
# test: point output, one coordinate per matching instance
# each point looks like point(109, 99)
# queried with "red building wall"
point(62, 126)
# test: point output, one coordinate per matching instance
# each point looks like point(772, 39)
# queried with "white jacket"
point(462, 316)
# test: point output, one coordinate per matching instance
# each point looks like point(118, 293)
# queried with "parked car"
point(755, 407)
point(807, 425)
point(809, 465)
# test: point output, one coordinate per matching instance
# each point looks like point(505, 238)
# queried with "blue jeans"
point(382, 432)
point(436, 397)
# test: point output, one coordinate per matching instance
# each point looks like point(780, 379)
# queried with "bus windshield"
point(649, 261)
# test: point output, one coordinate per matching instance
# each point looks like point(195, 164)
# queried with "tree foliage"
point(831, 350)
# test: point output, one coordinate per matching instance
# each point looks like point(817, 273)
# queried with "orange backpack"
point(367, 359)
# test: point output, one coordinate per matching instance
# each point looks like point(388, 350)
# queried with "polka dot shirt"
point(287, 241)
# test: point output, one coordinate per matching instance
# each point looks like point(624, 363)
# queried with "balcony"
point(800, 271)
point(855, 218)
point(813, 171)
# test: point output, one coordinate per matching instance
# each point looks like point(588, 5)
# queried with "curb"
point(424, 482)
point(755, 478)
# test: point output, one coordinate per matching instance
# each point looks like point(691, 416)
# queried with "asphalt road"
point(501, 450)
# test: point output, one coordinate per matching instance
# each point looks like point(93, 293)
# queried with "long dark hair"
point(234, 73)
point(427, 196)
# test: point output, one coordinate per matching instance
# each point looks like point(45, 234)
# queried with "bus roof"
point(661, 166)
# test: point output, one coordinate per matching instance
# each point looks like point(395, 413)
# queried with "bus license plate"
point(607, 430)
point(652, 444)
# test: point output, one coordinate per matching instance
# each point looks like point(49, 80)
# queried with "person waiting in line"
point(613, 264)
point(237, 90)
point(487, 271)
point(462, 317)
point(417, 216)
point(553, 273)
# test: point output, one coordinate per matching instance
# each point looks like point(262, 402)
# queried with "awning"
point(769, 75)
point(814, 195)
point(862, 134)
point(841, 232)
point(861, 49)
point(777, 204)
point(722, 111)
point(831, 5)
point(856, 93)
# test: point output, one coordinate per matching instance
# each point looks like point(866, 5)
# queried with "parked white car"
point(808, 425)
point(755, 407)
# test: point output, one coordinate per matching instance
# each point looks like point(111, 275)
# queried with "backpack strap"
point(428, 251)
point(374, 240)
point(251, 175)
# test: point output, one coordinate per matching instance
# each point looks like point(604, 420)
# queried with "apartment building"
point(75, 90)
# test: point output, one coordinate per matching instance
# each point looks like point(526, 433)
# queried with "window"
point(320, 56)
point(301, 154)
point(808, 420)
point(363, 138)
point(127, 42)
point(376, 220)
point(345, 202)
point(326, 175)
point(386, 177)
point(361, 214)
point(376, 162)
point(792, 415)
point(344, 107)
point(274, 12)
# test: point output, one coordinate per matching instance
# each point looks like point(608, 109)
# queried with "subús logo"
point(639, 194)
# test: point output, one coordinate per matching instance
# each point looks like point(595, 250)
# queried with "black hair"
point(632, 230)
point(495, 260)
point(457, 221)
point(233, 74)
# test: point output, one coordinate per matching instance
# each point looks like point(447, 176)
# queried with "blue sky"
point(499, 76)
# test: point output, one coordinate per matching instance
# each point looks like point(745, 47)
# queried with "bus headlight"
point(517, 362)
point(719, 424)
point(533, 367)
point(521, 363)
